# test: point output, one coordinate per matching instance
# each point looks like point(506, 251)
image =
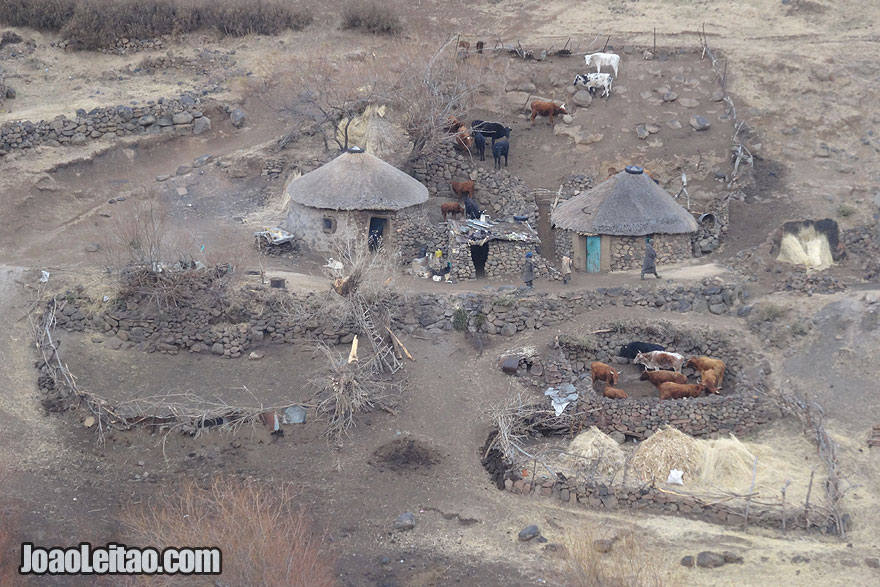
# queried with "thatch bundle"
point(808, 247)
point(592, 452)
point(665, 450)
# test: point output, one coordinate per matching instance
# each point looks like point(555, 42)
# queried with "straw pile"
point(808, 247)
point(665, 450)
point(727, 464)
point(593, 452)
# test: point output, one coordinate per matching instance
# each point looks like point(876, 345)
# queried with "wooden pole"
point(807, 502)
point(606, 43)
point(655, 41)
point(751, 489)
point(784, 487)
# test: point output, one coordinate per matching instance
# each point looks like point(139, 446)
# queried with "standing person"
point(649, 265)
point(529, 270)
point(566, 269)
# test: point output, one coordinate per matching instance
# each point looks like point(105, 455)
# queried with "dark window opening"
point(479, 255)
point(329, 224)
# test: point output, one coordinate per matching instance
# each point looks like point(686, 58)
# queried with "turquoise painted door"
point(594, 253)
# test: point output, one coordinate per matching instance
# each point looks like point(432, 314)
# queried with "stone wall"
point(506, 261)
point(237, 326)
point(699, 416)
point(501, 194)
point(628, 252)
point(183, 115)
point(744, 368)
point(710, 234)
point(414, 230)
point(597, 495)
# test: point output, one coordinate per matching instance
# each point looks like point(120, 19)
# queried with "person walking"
point(566, 269)
point(649, 265)
point(529, 270)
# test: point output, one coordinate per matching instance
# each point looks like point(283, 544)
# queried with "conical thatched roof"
point(357, 180)
point(626, 204)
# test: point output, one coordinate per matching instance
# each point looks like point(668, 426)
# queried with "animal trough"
point(814, 244)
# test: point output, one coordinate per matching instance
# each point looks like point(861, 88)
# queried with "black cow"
point(499, 150)
point(470, 208)
point(491, 130)
point(630, 350)
point(480, 144)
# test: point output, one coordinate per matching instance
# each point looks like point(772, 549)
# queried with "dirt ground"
point(803, 76)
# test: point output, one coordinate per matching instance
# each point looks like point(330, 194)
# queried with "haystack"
point(808, 247)
point(665, 450)
point(727, 464)
point(594, 452)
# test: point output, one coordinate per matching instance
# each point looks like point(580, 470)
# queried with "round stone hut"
point(605, 228)
point(356, 193)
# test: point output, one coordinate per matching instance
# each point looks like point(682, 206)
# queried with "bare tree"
point(329, 96)
point(433, 87)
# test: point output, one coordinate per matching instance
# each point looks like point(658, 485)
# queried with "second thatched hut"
point(605, 228)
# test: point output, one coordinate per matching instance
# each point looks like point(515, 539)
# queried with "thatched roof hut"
point(626, 204)
point(357, 180)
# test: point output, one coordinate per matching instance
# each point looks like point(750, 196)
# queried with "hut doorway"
point(377, 231)
point(594, 254)
point(479, 256)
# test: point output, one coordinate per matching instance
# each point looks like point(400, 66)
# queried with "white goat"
point(594, 81)
point(600, 59)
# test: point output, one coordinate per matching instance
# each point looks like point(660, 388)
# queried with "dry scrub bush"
point(158, 262)
point(374, 17)
point(628, 564)
point(43, 15)
point(265, 538)
point(94, 24)
point(421, 86)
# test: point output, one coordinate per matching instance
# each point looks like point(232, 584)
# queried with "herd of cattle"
point(663, 371)
point(474, 137)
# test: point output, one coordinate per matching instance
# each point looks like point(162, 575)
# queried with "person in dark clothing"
point(649, 265)
point(529, 270)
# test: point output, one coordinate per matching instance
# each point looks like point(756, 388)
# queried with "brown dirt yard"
point(803, 74)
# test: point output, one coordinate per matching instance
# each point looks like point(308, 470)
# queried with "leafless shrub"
point(420, 85)
point(157, 262)
point(371, 17)
point(98, 23)
point(628, 564)
point(345, 388)
point(264, 537)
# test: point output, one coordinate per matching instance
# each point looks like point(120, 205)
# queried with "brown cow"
point(670, 390)
point(603, 372)
point(464, 140)
point(463, 188)
point(548, 109)
point(453, 125)
point(614, 393)
point(705, 363)
point(453, 208)
point(658, 377)
point(710, 380)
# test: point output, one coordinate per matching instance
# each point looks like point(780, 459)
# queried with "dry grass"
point(10, 538)
point(94, 24)
point(374, 17)
point(665, 450)
point(628, 564)
point(265, 538)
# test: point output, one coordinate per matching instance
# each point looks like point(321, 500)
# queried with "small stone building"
point(356, 192)
point(494, 250)
point(605, 227)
